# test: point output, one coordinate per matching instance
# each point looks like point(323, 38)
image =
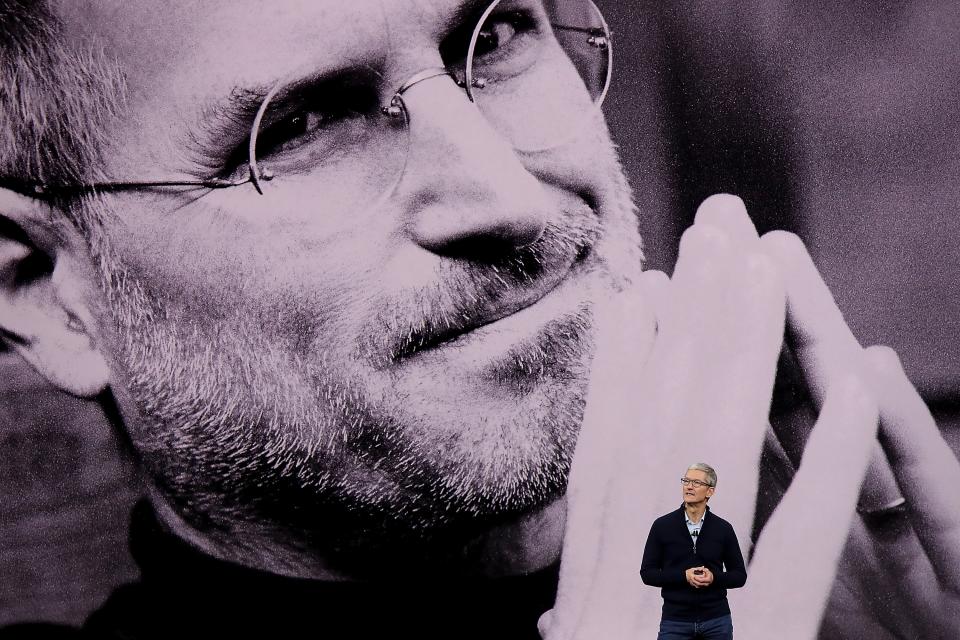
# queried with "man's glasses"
point(538, 71)
point(696, 483)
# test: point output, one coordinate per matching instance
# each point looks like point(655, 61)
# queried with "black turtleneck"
point(185, 593)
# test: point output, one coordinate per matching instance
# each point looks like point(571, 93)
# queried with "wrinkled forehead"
point(183, 50)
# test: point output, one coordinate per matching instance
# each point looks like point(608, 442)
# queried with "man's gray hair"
point(55, 99)
point(707, 469)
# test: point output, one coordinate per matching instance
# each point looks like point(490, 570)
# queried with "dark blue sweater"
point(670, 552)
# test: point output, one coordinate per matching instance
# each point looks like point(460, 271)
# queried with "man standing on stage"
point(694, 556)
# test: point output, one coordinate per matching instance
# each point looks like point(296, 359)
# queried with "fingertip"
point(545, 622)
point(720, 204)
point(784, 247)
point(652, 279)
point(884, 359)
point(727, 212)
point(655, 285)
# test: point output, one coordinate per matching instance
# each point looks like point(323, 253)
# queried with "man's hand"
point(702, 390)
point(699, 577)
point(707, 578)
point(899, 576)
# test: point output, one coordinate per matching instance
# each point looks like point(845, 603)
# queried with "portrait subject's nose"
point(465, 190)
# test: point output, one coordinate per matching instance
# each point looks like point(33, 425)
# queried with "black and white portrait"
point(412, 318)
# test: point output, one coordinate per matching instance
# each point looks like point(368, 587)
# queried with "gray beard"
point(343, 476)
point(246, 439)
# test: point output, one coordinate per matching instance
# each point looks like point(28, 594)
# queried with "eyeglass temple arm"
point(44, 189)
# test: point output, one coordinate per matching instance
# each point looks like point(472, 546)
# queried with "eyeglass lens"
point(537, 70)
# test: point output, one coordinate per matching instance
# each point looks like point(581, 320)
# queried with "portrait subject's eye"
point(306, 125)
point(509, 36)
point(318, 126)
point(292, 130)
point(496, 34)
point(501, 37)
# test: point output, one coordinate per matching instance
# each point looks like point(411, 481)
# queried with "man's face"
point(693, 494)
point(309, 365)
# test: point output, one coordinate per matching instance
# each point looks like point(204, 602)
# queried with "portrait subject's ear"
point(44, 286)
